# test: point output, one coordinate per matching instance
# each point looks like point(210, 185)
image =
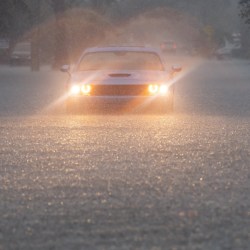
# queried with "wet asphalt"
point(121, 181)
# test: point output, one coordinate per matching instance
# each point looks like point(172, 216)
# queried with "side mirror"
point(65, 68)
point(176, 69)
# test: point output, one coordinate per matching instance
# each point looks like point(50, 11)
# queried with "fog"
point(176, 177)
point(61, 30)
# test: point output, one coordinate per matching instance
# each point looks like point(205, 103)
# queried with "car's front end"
point(132, 88)
point(119, 90)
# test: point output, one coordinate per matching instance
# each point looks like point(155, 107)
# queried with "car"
point(223, 53)
point(133, 78)
point(21, 54)
point(4, 49)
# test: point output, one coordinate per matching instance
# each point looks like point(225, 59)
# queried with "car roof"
point(122, 48)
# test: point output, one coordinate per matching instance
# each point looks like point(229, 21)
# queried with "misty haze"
point(125, 124)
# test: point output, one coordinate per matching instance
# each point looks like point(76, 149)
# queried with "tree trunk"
point(35, 43)
point(61, 46)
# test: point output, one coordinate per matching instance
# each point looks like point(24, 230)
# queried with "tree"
point(245, 14)
point(35, 42)
point(61, 53)
point(63, 15)
point(101, 5)
point(245, 10)
point(10, 12)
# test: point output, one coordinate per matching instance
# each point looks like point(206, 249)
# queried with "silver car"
point(21, 54)
point(133, 78)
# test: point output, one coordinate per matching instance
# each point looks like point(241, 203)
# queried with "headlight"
point(75, 90)
point(155, 89)
point(86, 89)
point(80, 89)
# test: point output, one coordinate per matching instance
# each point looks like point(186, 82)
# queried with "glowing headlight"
point(158, 89)
point(85, 89)
point(153, 89)
point(75, 90)
point(163, 89)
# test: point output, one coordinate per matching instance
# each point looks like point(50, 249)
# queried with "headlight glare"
point(75, 89)
point(163, 89)
point(153, 89)
point(85, 89)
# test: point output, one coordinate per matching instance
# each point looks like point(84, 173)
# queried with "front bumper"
point(124, 103)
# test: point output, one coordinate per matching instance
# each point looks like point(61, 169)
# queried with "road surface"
point(180, 181)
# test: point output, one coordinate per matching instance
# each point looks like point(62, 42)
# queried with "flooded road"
point(178, 181)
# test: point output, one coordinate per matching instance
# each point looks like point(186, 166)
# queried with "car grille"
point(119, 90)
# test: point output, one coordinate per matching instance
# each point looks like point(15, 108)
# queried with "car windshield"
point(121, 60)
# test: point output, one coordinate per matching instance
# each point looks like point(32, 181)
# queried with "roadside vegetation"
point(59, 29)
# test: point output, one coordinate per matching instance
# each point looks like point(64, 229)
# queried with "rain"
point(87, 161)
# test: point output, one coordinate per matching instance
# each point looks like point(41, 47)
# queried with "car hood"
point(119, 77)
